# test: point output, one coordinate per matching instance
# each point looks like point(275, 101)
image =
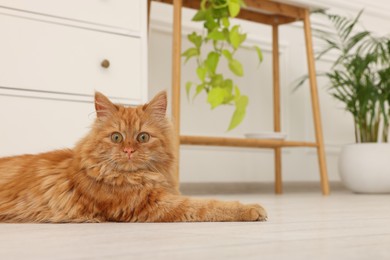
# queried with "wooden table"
point(273, 13)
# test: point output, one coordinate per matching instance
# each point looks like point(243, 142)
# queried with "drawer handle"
point(105, 64)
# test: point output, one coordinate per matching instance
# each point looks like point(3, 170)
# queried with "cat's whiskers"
point(152, 167)
point(111, 164)
point(102, 165)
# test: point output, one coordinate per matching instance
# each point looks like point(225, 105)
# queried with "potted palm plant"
point(360, 79)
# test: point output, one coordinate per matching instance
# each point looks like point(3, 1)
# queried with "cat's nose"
point(128, 150)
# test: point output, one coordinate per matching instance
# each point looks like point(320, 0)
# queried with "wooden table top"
point(266, 11)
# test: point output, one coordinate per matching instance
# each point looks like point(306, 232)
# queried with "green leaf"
point(203, 4)
point(226, 32)
point(201, 72)
point(259, 53)
point(234, 8)
point(218, 4)
point(216, 97)
point(216, 35)
point(216, 81)
point(228, 99)
point(235, 37)
point(210, 23)
point(242, 37)
point(228, 55)
point(198, 90)
point(212, 61)
point(345, 31)
point(195, 39)
point(239, 113)
point(200, 16)
point(188, 89)
point(228, 85)
point(356, 39)
point(189, 53)
point(242, 102)
point(242, 3)
point(236, 67)
point(225, 22)
point(237, 91)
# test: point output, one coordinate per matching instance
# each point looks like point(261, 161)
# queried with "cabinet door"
point(33, 125)
point(126, 14)
point(40, 56)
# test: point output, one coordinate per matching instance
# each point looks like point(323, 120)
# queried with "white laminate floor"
point(301, 226)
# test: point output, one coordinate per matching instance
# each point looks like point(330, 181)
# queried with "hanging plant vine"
point(225, 39)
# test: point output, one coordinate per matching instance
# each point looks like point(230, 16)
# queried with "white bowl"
point(267, 135)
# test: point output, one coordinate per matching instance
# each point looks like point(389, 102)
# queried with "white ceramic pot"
point(365, 167)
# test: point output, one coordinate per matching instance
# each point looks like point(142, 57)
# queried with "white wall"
point(216, 164)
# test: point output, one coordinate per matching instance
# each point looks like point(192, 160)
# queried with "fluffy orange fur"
point(121, 171)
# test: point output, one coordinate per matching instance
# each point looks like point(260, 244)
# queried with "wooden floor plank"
point(301, 226)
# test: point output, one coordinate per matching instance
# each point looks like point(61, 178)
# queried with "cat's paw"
point(255, 212)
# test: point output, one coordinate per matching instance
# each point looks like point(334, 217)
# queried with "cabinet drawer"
point(126, 14)
point(42, 56)
point(30, 125)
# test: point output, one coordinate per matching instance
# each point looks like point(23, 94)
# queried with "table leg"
point(176, 76)
point(276, 102)
point(315, 105)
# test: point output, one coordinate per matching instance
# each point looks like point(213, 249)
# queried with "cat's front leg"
point(174, 208)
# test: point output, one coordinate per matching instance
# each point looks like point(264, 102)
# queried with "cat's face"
point(131, 139)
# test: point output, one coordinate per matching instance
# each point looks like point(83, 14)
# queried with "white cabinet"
point(127, 14)
point(69, 60)
point(33, 125)
point(52, 55)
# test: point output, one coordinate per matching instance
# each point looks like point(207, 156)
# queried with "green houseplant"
point(360, 79)
point(225, 40)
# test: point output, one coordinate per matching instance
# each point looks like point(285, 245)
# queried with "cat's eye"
point(143, 137)
point(116, 137)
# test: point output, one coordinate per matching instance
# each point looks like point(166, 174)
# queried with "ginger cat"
point(121, 171)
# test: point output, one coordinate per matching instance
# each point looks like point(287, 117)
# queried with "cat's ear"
point(103, 106)
point(158, 105)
